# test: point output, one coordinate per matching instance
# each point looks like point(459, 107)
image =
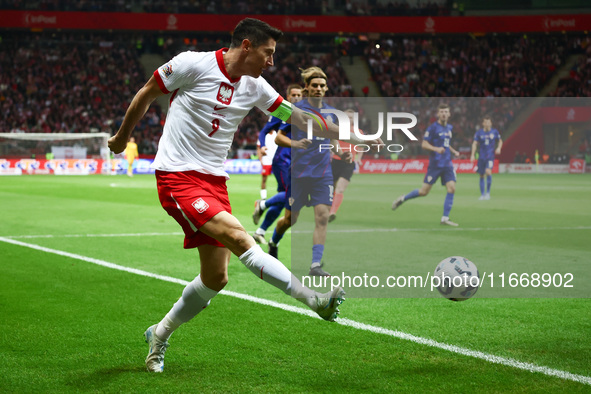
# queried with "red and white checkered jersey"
point(206, 107)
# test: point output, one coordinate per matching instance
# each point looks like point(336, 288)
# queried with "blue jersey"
point(488, 143)
point(311, 162)
point(439, 136)
point(282, 155)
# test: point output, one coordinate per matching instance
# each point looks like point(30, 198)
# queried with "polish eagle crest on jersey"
point(225, 93)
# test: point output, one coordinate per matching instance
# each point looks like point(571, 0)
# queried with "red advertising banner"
point(296, 23)
point(415, 166)
point(576, 166)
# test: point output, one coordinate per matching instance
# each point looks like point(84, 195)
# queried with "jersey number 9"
point(215, 126)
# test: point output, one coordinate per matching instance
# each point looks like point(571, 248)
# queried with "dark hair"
point(258, 32)
point(293, 86)
point(485, 117)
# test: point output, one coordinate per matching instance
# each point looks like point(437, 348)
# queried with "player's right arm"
point(261, 151)
point(426, 144)
point(474, 146)
point(473, 152)
point(137, 109)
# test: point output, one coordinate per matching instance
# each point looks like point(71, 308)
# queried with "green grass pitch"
point(69, 326)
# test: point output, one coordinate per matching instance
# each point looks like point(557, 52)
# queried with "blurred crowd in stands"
point(84, 81)
point(243, 7)
point(578, 82)
point(492, 65)
point(69, 83)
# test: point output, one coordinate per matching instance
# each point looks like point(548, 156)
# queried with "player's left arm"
point(499, 146)
point(455, 152)
point(327, 129)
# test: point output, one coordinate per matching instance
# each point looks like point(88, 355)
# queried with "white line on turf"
point(342, 321)
point(366, 230)
point(91, 235)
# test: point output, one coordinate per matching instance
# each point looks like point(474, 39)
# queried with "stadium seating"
point(281, 7)
point(83, 82)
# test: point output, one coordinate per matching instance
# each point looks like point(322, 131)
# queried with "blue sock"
point(276, 236)
point(488, 183)
point(449, 201)
point(482, 186)
point(317, 252)
point(272, 214)
point(411, 195)
point(277, 199)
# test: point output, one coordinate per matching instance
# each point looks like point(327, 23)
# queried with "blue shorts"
point(483, 165)
point(310, 192)
point(446, 173)
point(282, 175)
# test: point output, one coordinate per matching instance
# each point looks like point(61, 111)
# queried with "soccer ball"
point(458, 278)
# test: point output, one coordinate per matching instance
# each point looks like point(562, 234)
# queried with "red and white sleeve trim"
point(160, 82)
point(276, 104)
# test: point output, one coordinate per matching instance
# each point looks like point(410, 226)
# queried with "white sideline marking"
point(509, 362)
point(366, 230)
point(91, 235)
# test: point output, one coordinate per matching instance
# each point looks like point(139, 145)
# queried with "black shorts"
point(342, 169)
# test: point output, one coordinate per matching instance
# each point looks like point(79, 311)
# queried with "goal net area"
point(55, 153)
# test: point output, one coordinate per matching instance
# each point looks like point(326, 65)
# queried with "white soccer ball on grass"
point(458, 278)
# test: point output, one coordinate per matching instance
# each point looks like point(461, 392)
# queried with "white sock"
point(263, 205)
point(194, 299)
point(260, 231)
point(264, 194)
point(272, 271)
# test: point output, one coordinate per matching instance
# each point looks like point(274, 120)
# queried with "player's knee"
point(423, 192)
point(451, 189)
point(322, 218)
point(215, 280)
point(237, 237)
point(289, 221)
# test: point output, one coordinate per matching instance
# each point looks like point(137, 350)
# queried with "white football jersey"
point(267, 160)
point(206, 107)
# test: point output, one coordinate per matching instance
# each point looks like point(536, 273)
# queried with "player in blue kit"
point(437, 140)
point(311, 174)
point(280, 167)
point(487, 138)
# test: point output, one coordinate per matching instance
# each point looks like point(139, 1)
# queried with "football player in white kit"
point(210, 93)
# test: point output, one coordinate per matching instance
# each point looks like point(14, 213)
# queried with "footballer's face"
point(443, 115)
point(317, 87)
point(487, 124)
point(258, 58)
point(294, 95)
